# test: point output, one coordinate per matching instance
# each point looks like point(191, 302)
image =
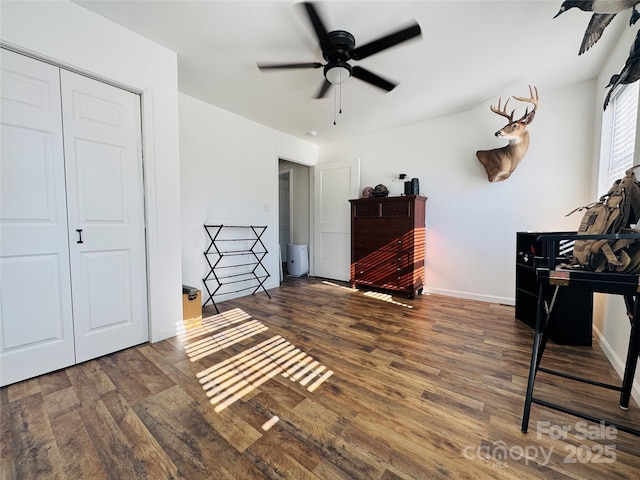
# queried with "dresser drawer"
point(369, 209)
point(378, 225)
point(385, 258)
point(369, 241)
point(396, 277)
point(396, 209)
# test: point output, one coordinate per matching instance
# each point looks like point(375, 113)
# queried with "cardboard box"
point(192, 309)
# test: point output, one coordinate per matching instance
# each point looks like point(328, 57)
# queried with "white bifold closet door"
point(72, 241)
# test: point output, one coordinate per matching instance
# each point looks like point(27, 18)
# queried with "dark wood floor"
point(321, 381)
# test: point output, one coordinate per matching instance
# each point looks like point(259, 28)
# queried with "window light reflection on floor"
point(325, 282)
point(187, 330)
point(214, 343)
point(385, 297)
point(270, 423)
point(233, 378)
point(237, 376)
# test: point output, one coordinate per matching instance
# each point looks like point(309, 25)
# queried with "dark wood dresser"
point(388, 242)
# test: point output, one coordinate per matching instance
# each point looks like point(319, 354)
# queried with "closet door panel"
point(28, 172)
point(98, 269)
point(42, 318)
point(36, 321)
point(102, 138)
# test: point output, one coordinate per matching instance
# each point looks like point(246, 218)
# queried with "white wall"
point(472, 224)
point(70, 35)
point(229, 175)
point(610, 323)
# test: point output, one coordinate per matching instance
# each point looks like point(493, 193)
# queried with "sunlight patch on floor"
point(213, 343)
point(193, 328)
point(385, 297)
point(325, 282)
point(270, 423)
point(233, 378)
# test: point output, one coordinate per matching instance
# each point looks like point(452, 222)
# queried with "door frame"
point(309, 166)
point(282, 172)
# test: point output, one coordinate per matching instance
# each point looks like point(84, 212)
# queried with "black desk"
point(553, 278)
point(574, 309)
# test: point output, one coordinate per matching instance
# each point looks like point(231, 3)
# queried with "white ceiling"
point(470, 53)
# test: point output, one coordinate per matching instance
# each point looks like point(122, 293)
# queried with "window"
point(623, 131)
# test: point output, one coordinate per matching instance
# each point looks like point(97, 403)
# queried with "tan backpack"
point(615, 212)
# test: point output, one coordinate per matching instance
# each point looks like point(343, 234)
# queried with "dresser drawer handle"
point(400, 225)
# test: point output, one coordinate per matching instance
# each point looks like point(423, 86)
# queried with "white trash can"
point(297, 260)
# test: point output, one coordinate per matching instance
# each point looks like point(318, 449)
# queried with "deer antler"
point(503, 111)
point(528, 116)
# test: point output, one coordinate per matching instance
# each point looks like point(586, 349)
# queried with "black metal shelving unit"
point(573, 308)
point(234, 256)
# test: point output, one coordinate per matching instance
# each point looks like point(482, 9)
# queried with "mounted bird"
point(630, 72)
point(604, 11)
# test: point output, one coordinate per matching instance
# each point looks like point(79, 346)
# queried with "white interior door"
point(102, 139)
point(335, 184)
point(36, 320)
point(72, 237)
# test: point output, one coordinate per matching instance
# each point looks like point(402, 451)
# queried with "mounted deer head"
point(500, 163)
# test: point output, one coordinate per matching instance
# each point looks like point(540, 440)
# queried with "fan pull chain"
point(337, 100)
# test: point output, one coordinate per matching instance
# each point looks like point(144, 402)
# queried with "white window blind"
point(623, 131)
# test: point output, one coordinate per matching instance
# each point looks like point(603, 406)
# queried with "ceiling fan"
point(339, 47)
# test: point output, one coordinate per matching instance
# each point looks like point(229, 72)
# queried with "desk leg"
point(536, 355)
point(632, 357)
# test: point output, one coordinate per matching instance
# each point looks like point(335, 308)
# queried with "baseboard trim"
point(615, 361)
point(470, 296)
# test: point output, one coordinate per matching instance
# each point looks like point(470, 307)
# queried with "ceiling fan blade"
point(370, 77)
point(318, 26)
point(323, 89)
point(275, 66)
point(387, 41)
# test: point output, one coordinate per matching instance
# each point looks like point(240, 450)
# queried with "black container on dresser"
point(388, 242)
point(572, 320)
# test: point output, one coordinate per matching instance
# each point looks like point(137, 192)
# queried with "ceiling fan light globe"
point(337, 75)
